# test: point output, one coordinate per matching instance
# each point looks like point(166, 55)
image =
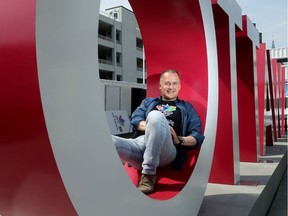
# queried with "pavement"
point(279, 204)
point(262, 190)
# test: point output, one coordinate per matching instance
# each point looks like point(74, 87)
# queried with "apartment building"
point(120, 46)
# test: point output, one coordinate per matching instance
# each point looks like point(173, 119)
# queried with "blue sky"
point(270, 17)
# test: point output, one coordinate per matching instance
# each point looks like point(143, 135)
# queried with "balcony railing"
point(104, 61)
point(105, 37)
point(139, 68)
point(139, 49)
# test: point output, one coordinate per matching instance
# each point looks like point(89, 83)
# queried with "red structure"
point(162, 54)
point(225, 166)
point(261, 84)
point(30, 160)
point(276, 70)
point(33, 173)
point(246, 43)
point(282, 98)
point(271, 130)
point(30, 183)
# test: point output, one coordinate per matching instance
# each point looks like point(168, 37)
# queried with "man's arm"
point(139, 115)
point(193, 131)
point(189, 141)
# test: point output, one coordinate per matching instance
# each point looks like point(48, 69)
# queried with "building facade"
point(120, 46)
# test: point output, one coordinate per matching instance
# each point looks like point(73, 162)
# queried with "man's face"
point(169, 86)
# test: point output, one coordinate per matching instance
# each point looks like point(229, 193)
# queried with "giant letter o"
point(67, 33)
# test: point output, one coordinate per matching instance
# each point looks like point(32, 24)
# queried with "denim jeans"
point(149, 151)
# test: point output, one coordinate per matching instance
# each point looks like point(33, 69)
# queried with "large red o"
point(57, 156)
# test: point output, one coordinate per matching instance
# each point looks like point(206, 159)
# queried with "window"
point(119, 78)
point(118, 36)
point(139, 64)
point(139, 44)
point(106, 75)
point(118, 59)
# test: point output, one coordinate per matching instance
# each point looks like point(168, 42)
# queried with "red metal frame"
point(30, 183)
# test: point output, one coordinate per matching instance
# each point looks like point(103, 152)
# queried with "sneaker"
point(147, 183)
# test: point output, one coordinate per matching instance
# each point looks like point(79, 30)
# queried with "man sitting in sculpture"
point(167, 124)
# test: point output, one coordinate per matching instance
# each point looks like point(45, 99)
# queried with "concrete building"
point(120, 46)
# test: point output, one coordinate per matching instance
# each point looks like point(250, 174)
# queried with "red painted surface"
point(222, 170)
point(261, 68)
point(271, 94)
point(279, 99)
point(244, 32)
point(169, 182)
point(246, 96)
point(282, 98)
point(275, 78)
point(30, 183)
point(175, 39)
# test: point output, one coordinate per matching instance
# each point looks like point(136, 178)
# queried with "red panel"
point(282, 96)
point(222, 170)
point(30, 182)
point(271, 94)
point(276, 96)
point(261, 66)
point(174, 38)
point(246, 100)
point(279, 100)
point(169, 182)
point(244, 31)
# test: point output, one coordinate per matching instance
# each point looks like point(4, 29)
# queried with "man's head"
point(169, 84)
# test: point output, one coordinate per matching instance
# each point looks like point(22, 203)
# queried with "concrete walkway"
point(279, 204)
point(259, 195)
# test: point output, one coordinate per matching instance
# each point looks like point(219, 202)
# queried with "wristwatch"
point(181, 140)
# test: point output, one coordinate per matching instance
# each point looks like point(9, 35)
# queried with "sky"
point(270, 17)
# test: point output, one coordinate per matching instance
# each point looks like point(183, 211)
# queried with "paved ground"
point(238, 200)
point(279, 204)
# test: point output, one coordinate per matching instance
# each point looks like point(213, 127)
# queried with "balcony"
point(105, 37)
point(104, 61)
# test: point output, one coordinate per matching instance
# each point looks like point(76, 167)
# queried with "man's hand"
point(187, 141)
point(174, 136)
point(141, 126)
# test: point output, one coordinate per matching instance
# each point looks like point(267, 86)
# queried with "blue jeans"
point(149, 151)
